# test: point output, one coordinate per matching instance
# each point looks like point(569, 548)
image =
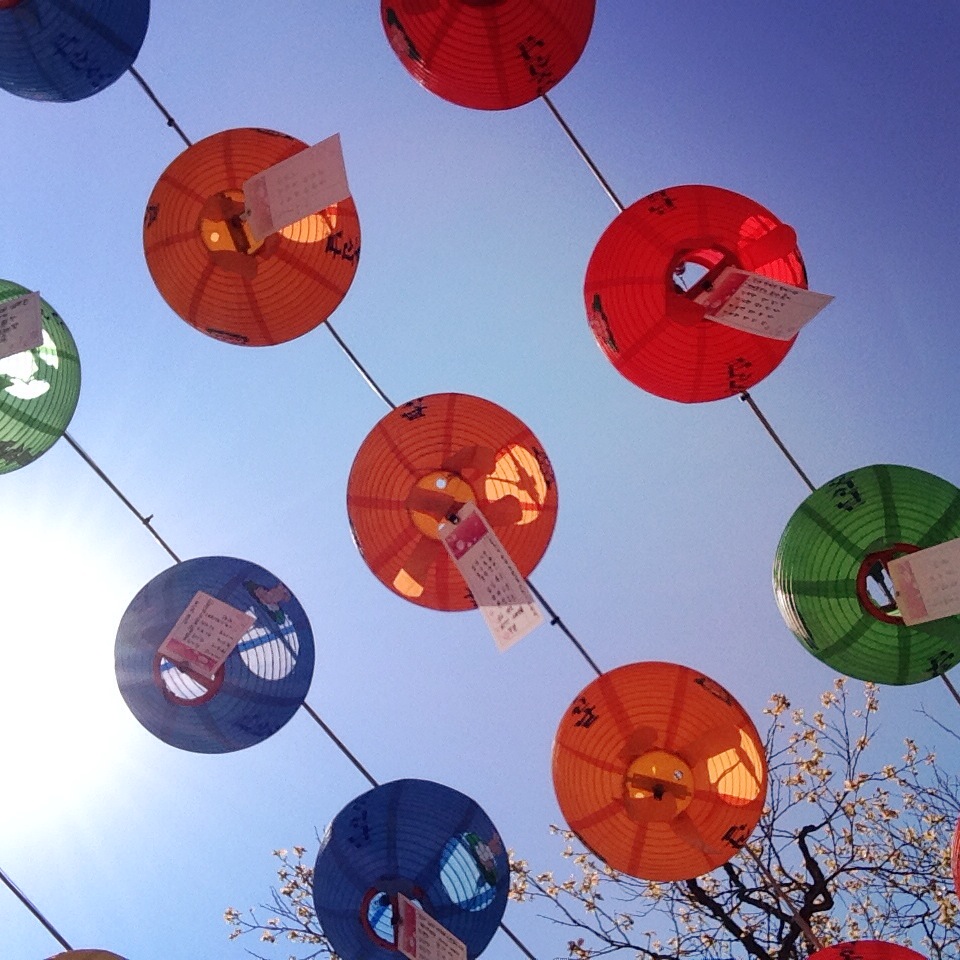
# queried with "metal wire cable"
point(783, 448)
point(587, 159)
point(22, 897)
point(156, 102)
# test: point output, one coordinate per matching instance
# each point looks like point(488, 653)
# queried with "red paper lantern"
point(867, 950)
point(488, 54)
point(649, 327)
point(955, 858)
point(659, 771)
point(212, 271)
point(422, 462)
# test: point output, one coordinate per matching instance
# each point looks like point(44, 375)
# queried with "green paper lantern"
point(39, 389)
point(830, 576)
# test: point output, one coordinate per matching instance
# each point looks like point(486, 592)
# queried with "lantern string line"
point(156, 102)
point(146, 521)
point(773, 434)
point(375, 783)
point(800, 921)
point(557, 621)
point(22, 897)
point(595, 170)
point(361, 369)
point(950, 687)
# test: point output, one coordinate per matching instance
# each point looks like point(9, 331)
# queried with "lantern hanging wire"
point(22, 897)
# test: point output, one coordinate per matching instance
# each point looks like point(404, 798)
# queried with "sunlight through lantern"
point(830, 576)
point(56, 50)
point(39, 389)
point(212, 271)
point(866, 950)
point(420, 839)
point(86, 954)
point(648, 325)
point(659, 771)
point(252, 695)
point(419, 465)
point(488, 54)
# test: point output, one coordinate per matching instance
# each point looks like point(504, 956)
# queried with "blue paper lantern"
point(66, 50)
point(260, 686)
point(417, 838)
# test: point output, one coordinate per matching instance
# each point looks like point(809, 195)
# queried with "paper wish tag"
point(21, 324)
point(420, 937)
point(294, 188)
point(926, 584)
point(757, 304)
point(206, 634)
point(500, 591)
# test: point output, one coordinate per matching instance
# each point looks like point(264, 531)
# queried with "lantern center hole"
point(378, 914)
point(183, 686)
point(223, 227)
point(695, 271)
point(435, 498)
point(657, 787)
point(874, 586)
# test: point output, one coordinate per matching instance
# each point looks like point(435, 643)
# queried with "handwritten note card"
point(206, 634)
point(501, 592)
point(292, 189)
point(21, 324)
point(420, 937)
point(926, 584)
point(757, 304)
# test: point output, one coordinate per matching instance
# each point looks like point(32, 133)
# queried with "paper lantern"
point(866, 950)
point(488, 54)
point(955, 858)
point(832, 551)
point(210, 269)
point(86, 954)
point(648, 326)
point(257, 690)
point(39, 389)
point(417, 838)
point(659, 771)
point(57, 50)
point(421, 463)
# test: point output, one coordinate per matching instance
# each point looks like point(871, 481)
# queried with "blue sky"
point(477, 228)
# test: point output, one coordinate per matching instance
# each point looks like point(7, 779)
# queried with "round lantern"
point(211, 269)
point(955, 858)
point(650, 327)
point(830, 576)
point(86, 954)
point(866, 950)
point(488, 54)
point(659, 771)
point(420, 839)
point(260, 686)
point(420, 464)
point(39, 388)
point(56, 50)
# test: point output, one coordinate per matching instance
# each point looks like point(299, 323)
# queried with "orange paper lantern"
point(649, 327)
point(955, 858)
point(421, 463)
point(212, 271)
point(87, 955)
point(659, 771)
point(488, 54)
point(867, 950)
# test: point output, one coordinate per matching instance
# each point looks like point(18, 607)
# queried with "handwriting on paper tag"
point(21, 324)
point(420, 937)
point(292, 189)
point(500, 591)
point(206, 634)
point(926, 584)
point(754, 303)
